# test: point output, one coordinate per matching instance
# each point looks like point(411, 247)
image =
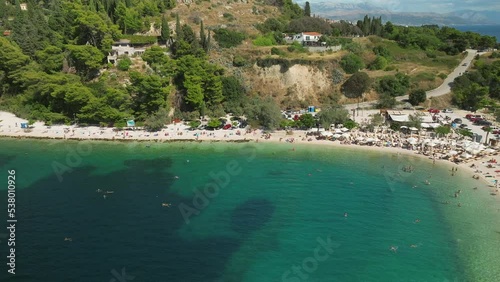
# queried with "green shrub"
point(442, 76)
point(269, 62)
point(351, 63)
point(124, 64)
point(296, 47)
point(379, 63)
point(276, 51)
point(239, 61)
point(264, 40)
point(228, 16)
point(228, 38)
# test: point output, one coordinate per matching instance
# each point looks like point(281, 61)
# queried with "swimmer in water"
point(176, 177)
point(345, 214)
point(427, 182)
point(394, 249)
point(417, 220)
point(413, 246)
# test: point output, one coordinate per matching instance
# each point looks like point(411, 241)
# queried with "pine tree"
point(178, 29)
point(307, 10)
point(165, 29)
point(3, 11)
point(203, 38)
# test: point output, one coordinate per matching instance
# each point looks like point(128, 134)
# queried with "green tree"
point(351, 63)
point(203, 38)
point(178, 28)
point(332, 115)
point(165, 29)
point(443, 130)
point(91, 28)
point(87, 59)
point(386, 101)
point(228, 38)
point(417, 96)
point(149, 93)
point(155, 55)
point(356, 85)
point(50, 59)
point(214, 123)
point(265, 112)
point(379, 63)
point(470, 97)
point(124, 63)
point(307, 121)
point(11, 60)
point(394, 85)
point(307, 9)
point(486, 129)
point(157, 120)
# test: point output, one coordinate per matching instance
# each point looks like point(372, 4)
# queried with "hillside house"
point(308, 38)
point(23, 6)
point(123, 48)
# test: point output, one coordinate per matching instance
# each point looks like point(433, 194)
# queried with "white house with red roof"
point(307, 38)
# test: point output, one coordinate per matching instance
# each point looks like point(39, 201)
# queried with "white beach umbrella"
point(360, 138)
point(346, 135)
point(433, 143)
point(344, 129)
point(326, 133)
point(336, 135)
point(490, 151)
point(452, 153)
point(412, 140)
point(475, 151)
point(466, 156)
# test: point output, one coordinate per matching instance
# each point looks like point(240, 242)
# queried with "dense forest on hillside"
point(53, 60)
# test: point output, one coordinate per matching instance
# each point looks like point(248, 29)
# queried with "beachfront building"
point(123, 48)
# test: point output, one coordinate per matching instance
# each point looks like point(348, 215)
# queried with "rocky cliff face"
point(298, 85)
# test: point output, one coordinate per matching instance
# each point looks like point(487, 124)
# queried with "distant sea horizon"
point(486, 29)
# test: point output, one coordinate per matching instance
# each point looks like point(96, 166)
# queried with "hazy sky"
point(439, 6)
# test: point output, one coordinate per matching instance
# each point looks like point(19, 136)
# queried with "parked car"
point(473, 116)
point(463, 125)
point(457, 121)
point(476, 119)
point(482, 122)
point(469, 116)
point(434, 111)
point(464, 64)
point(227, 126)
point(447, 111)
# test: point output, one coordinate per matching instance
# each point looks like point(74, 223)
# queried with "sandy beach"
point(482, 166)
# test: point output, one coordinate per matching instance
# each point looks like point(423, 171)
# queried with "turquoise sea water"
point(242, 212)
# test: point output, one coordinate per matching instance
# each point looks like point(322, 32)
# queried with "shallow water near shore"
point(243, 212)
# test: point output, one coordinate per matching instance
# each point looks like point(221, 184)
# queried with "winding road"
point(443, 89)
